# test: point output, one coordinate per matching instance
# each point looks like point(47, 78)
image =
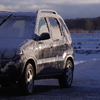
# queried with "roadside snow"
point(87, 64)
point(87, 73)
point(80, 58)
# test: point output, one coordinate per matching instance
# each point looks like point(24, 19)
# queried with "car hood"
point(9, 47)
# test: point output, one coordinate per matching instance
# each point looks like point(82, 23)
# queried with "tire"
point(65, 81)
point(26, 82)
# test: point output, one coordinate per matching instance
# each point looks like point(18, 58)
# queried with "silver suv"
point(34, 46)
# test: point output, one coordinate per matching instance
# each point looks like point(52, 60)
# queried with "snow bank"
point(87, 59)
point(87, 73)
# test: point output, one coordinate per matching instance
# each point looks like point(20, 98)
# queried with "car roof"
point(5, 13)
point(41, 12)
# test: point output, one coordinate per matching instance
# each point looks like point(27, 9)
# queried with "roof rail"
point(5, 11)
point(46, 11)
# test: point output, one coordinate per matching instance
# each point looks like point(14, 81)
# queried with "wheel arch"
point(31, 61)
point(72, 60)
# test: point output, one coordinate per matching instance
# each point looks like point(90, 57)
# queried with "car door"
point(66, 49)
point(58, 46)
point(44, 49)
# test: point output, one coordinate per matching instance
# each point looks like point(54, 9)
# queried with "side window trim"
point(46, 19)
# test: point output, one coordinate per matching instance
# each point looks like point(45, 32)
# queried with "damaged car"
point(34, 45)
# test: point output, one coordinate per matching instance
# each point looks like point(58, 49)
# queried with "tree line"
point(83, 24)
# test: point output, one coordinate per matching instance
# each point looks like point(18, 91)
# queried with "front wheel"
point(26, 83)
point(66, 79)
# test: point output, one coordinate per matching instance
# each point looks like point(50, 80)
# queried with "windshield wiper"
point(5, 19)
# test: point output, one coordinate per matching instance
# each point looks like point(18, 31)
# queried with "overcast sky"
point(66, 8)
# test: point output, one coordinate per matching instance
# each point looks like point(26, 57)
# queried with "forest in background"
point(87, 25)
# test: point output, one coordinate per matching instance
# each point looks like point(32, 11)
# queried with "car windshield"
point(16, 26)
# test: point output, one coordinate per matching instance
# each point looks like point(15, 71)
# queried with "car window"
point(42, 28)
point(64, 26)
point(55, 28)
point(65, 30)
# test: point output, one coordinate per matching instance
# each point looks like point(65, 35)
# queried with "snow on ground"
point(87, 72)
point(80, 58)
point(87, 65)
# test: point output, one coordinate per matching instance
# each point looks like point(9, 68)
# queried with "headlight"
point(19, 52)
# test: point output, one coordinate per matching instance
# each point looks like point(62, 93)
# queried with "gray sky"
point(66, 8)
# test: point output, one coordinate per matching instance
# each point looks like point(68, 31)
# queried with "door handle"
point(51, 46)
point(56, 40)
point(40, 42)
point(65, 44)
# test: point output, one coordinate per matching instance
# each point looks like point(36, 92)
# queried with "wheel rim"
point(30, 80)
point(69, 74)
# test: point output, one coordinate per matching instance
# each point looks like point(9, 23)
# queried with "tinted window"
point(53, 22)
point(65, 31)
point(42, 28)
point(64, 26)
point(55, 28)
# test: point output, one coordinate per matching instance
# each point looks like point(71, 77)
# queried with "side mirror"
point(44, 36)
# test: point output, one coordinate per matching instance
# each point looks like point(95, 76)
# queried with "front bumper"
point(10, 69)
